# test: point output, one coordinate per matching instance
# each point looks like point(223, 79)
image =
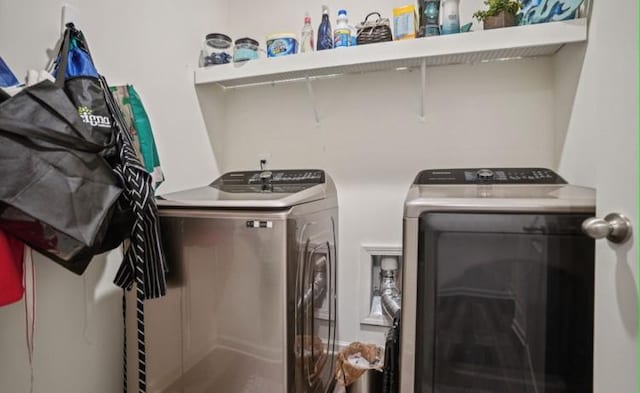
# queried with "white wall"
point(78, 339)
point(153, 45)
point(576, 113)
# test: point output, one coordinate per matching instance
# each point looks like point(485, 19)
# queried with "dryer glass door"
point(315, 312)
point(505, 304)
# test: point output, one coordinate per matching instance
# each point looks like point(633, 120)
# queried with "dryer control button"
point(266, 176)
point(485, 174)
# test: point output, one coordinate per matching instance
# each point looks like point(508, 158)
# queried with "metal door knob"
point(615, 227)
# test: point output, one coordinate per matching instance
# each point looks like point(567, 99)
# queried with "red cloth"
point(11, 268)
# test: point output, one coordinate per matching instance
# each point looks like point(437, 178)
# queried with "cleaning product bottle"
point(325, 34)
point(342, 33)
point(430, 18)
point(451, 17)
point(306, 38)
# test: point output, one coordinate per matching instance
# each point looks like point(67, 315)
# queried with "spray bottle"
point(306, 38)
point(325, 34)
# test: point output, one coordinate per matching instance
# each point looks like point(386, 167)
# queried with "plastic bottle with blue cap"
point(343, 32)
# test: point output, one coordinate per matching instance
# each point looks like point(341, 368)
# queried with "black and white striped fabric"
point(144, 262)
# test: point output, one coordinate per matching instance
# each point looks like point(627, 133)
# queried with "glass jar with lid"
point(246, 49)
point(216, 50)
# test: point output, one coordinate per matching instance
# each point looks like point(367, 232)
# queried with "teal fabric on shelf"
point(140, 129)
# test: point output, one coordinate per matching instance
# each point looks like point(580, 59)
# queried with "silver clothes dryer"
point(252, 299)
point(498, 283)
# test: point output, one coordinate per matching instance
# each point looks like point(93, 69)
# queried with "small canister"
point(216, 50)
point(282, 44)
point(245, 49)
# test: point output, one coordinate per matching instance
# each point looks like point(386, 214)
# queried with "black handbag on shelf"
point(374, 31)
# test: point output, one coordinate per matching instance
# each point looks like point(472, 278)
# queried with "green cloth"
point(139, 129)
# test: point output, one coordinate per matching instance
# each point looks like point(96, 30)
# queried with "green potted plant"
point(501, 13)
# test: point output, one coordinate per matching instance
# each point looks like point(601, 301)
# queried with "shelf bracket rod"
point(423, 91)
point(312, 99)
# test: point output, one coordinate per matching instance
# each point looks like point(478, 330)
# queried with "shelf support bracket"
point(423, 91)
point(312, 99)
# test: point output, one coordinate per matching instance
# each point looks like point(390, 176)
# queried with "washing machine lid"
point(496, 189)
point(277, 189)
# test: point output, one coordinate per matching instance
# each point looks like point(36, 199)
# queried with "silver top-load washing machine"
point(498, 283)
point(252, 299)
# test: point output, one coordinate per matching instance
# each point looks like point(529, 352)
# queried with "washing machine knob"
point(485, 174)
point(266, 176)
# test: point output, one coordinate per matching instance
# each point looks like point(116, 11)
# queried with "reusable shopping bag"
point(59, 193)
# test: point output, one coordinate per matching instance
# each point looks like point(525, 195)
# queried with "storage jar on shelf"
point(216, 50)
point(245, 49)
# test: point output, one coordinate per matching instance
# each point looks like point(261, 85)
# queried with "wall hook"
point(70, 14)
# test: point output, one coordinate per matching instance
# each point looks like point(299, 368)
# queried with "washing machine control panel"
point(276, 181)
point(489, 176)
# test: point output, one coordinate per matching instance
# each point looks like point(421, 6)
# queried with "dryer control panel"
point(488, 176)
point(276, 181)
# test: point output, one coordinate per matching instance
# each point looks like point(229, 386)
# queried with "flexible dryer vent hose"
point(390, 295)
